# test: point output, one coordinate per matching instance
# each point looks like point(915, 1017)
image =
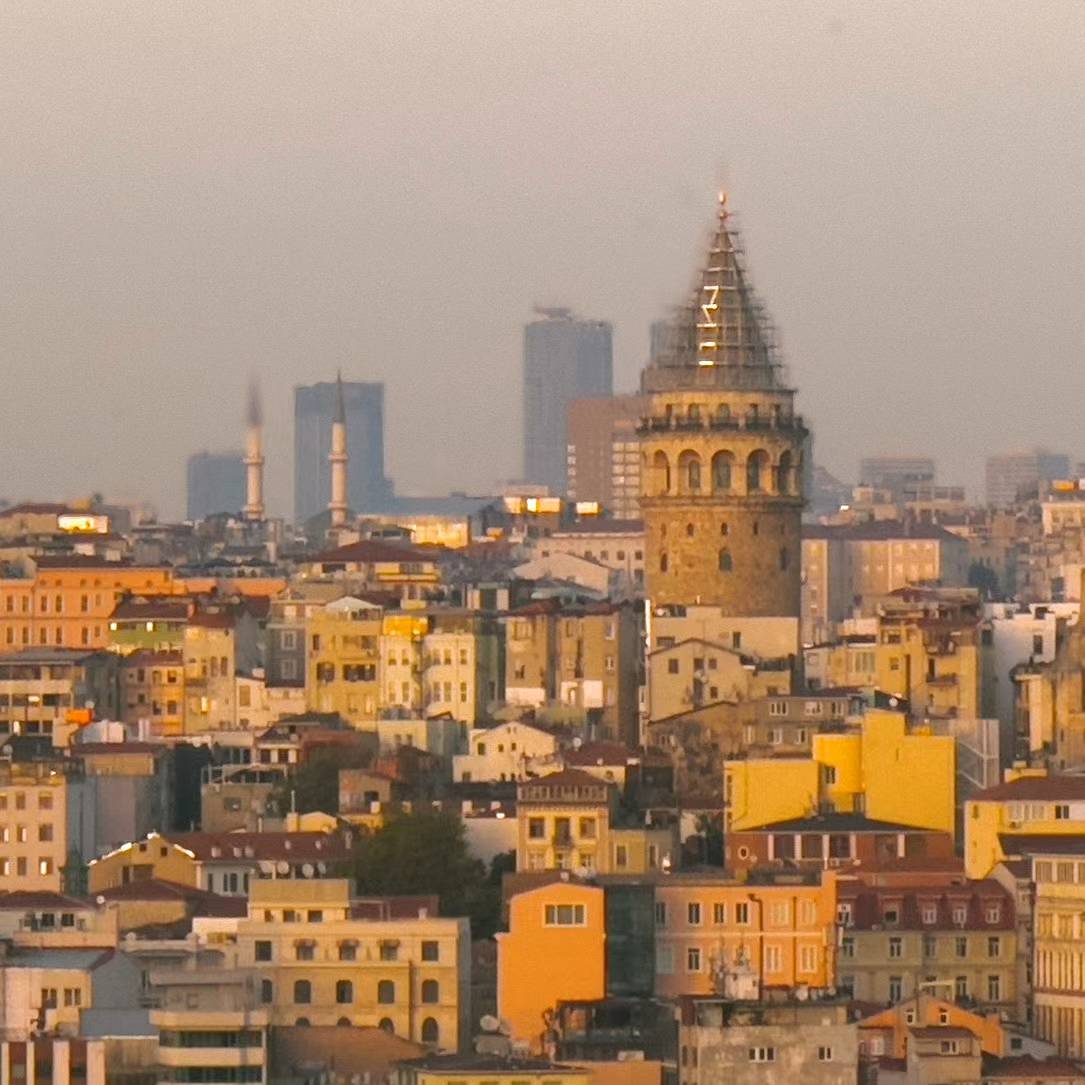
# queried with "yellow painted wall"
point(844, 755)
point(538, 965)
point(761, 791)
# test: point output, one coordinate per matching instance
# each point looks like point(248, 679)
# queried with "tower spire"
point(337, 506)
point(254, 457)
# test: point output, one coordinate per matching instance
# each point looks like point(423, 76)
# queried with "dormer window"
point(843, 915)
point(891, 915)
point(929, 914)
point(960, 915)
point(993, 912)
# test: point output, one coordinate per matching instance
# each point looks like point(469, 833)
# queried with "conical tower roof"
point(724, 325)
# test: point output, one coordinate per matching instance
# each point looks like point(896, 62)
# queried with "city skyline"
point(164, 265)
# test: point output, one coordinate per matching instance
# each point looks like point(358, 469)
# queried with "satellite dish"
point(308, 870)
point(283, 867)
point(267, 867)
point(99, 899)
point(577, 742)
point(489, 1023)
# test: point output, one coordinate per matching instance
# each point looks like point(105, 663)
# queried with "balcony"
point(791, 424)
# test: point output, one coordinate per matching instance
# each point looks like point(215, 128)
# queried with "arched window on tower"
point(689, 473)
point(663, 563)
point(722, 464)
point(756, 467)
point(694, 414)
point(726, 562)
point(431, 1033)
point(690, 531)
point(661, 471)
point(784, 474)
point(723, 414)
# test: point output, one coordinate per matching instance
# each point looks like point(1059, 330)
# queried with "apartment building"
point(152, 690)
point(320, 956)
point(938, 934)
point(344, 655)
point(217, 644)
point(569, 820)
point(717, 935)
point(554, 951)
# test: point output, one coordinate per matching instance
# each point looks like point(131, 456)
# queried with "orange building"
point(716, 935)
point(66, 602)
point(554, 950)
point(885, 1034)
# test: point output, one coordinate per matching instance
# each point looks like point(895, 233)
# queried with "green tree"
point(314, 786)
point(425, 853)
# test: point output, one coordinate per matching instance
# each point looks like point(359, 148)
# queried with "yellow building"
point(554, 950)
point(152, 687)
point(568, 821)
point(1058, 967)
point(886, 771)
point(318, 956)
point(473, 1069)
point(47, 817)
point(713, 932)
point(928, 650)
point(343, 641)
point(1028, 803)
point(217, 644)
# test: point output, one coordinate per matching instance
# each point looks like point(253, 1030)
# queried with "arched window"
point(431, 991)
point(756, 466)
point(785, 557)
point(726, 562)
point(752, 416)
point(663, 563)
point(431, 1033)
point(344, 992)
point(723, 414)
point(386, 992)
point(784, 474)
point(303, 992)
point(661, 470)
point(724, 529)
point(694, 413)
point(689, 473)
point(690, 531)
point(302, 1022)
point(343, 1022)
point(386, 1024)
point(722, 462)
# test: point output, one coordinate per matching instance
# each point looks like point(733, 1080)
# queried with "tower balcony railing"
point(792, 423)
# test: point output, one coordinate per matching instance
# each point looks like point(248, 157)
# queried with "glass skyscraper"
point(216, 483)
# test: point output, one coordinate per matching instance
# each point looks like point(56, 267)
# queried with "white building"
point(503, 752)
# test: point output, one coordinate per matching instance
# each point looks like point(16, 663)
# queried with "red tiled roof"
point(22, 900)
point(1028, 844)
point(145, 658)
point(159, 889)
point(159, 607)
point(30, 508)
point(599, 753)
point(231, 847)
point(869, 904)
point(1032, 788)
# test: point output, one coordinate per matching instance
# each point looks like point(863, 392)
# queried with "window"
point(305, 951)
point(896, 947)
point(263, 951)
point(431, 991)
point(994, 946)
point(431, 1033)
point(929, 914)
point(960, 915)
point(960, 987)
point(303, 992)
point(565, 915)
point(344, 992)
point(267, 992)
point(773, 960)
point(960, 947)
point(781, 913)
point(847, 946)
point(825, 1054)
point(693, 959)
point(930, 945)
point(587, 828)
point(1062, 811)
point(830, 775)
point(693, 914)
point(724, 560)
point(386, 992)
point(389, 951)
point(536, 828)
point(621, 855)
point(661, 914)
point(385, 1024)
point(896, 988)
point(994, 988)
point(664, 960)
point(993, 913)
point(808, 958)
point(742, 913)
point(45, 833)
point(430, 951)
point(719, 913)
point(348, 951)
point(672, 666)
point(761, 1054)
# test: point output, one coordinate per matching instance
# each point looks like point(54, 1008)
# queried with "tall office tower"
point(1023, 474)
point(315, 407)
point(564, 359)
point(216, 483)
point(604, 453)
point(722, 491)
point(254, 459)
point(896, 473)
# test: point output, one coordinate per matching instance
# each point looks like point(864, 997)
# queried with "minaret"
point(254, 459)
point(722, 448)
point(337, 506)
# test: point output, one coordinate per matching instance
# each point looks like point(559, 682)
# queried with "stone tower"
point(721, 489)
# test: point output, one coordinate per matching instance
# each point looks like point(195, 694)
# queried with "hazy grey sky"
point(193, 192)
